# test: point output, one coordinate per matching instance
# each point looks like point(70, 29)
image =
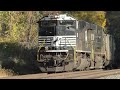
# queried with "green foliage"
point(96, 17)
point(113, 26)
point(18, 38)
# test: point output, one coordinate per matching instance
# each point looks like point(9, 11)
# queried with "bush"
point(18, 58)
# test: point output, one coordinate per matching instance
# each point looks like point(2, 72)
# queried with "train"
point(68, 44)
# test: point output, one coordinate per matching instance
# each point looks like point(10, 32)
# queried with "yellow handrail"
point(74, 50)
point(39, 49)
point(92, 52)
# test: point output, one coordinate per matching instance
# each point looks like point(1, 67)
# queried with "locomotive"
point(68, 44)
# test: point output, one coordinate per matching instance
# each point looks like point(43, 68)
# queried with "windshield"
point(47, 31)
point(47, 27)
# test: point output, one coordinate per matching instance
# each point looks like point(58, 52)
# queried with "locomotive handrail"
point(39, 50)
point(73, 48)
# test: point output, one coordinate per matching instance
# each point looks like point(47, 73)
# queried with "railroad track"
point(91, 74)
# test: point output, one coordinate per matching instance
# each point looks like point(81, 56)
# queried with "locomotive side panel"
point(83, 45)
point(99, 43)
point(83, 37)
point(90, 45)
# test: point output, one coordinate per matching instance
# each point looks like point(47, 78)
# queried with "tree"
point(96, 17)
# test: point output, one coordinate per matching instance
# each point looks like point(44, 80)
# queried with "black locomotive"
point(66, 44)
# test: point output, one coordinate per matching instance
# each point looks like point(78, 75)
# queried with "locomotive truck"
point(68, 44)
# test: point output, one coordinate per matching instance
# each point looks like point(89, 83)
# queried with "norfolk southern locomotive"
point(66, 44)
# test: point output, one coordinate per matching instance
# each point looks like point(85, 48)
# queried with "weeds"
point(6, 72)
